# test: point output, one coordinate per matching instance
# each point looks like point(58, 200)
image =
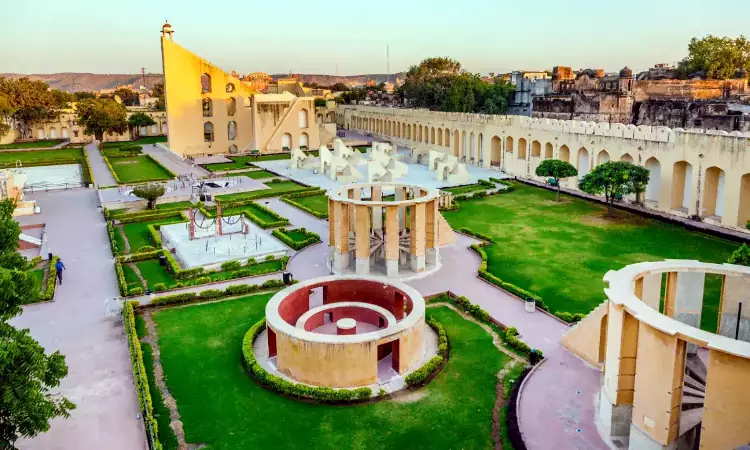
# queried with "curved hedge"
point(421, 375)
point(319, 394)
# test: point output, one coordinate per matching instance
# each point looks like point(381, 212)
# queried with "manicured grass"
point(117, 152)
point(140, 141)
point(41, 155)
point(296, 235)
point(138, 168)
point(254, 174)
point(200, 345)
point(154, 273)
point(317, 203)
point(284, 186)
point(561, 251)
point(138, 235)
point(263, 216)
point(38, 276)
point(140, 326)
point(33, 144)
point(467, 189)
point(240, 162)
point(161, 412)
point(175, 206)
point(131, 278)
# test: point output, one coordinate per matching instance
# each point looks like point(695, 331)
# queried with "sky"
point(350, 37)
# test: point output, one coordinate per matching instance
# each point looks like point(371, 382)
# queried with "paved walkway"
point(173, 162)
point(102, 174)
point(100, 380)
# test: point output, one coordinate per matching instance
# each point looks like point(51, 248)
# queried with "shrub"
point(281, 234)
point(146, 248)
point(211, 293)
point(269, 258)
point(177, 298)
point(251, 261)
point(49, 289)
point(203, 280)
point(148, 216)
point(476, 234)
point(242, 273)
point(135, 291)
point(231, 265)
point(239, 289)
point(570, 317)
point(420, 375)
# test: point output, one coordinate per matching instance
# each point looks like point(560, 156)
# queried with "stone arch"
point(164, 128)
point(420, 134)
point(403, 130)
point(408, 131)
point(208, 107)
point(302, 118)
point(480, 147)
point(464, 144)
point(40, 133)
point(286, 142)
point(455, 144)
point(602, 157)
point(233, 149)
point(53, 133)
point(583, 161)
point(154, 129)
point(64, 133)
point(522, 144)
point(447, 137)
point(432, 135)
point(143, 130)
point(304, 140)
point(472, 147)
point(536, 149)
point(439, 137)
point(509, 144)
point(603, 338)
point(208, 132)
point(331, 117)
point(743, 215)
point(231, 130)
point(682, 189)
point(713, 192)
point(205, 83)
point(496, 150)
point(548, 151)
point(564, 153)
point(231, 106)
point(654, 180)
point(627, 157)
point(319, 118)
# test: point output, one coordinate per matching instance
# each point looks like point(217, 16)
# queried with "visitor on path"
point(60, 267)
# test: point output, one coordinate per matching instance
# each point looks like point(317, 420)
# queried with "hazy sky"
point(108, 36)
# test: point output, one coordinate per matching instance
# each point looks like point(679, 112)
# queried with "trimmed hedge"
point(139, 374)
point(259, 194)
point(147, 216)
point(312, 238)
point(320, 394)
point(289, 199)
point(476, 234)
point(49, 289)
point(210, 294)
point(279, 222)
point(420, 376)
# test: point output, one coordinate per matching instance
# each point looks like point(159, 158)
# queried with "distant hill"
point(74, 82)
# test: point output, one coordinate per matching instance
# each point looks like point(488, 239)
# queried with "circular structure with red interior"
point(345, 331)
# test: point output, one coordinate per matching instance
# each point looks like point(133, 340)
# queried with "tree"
point(717, 57)
point(132, 149)
point(340, 87)
point(613, 179)
point(24, 101)
point(556, 169)
point(638, 181)
point(158, 91)
point(9, 232)
point(741, 256)
point(27, 373)
point(100, 116)
point(127, 96)
point(320, 102)
point(83, 95)
point(149, 192)
point(138, 120)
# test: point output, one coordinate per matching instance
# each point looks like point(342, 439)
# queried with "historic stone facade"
point(705, 175)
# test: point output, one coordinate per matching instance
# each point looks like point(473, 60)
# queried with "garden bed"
point(297, 238)
point(314, 203)
point(275, 189)
point(137, 169)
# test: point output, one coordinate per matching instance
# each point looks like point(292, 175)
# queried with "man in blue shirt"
point(60, 267)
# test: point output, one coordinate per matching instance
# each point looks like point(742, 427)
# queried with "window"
point(231, 130)
point(205, 83)
point(231, 106)
point(233, 149)
point(208, 107)
point(208, 132)
point(75, 133)
point(303, 118)
point(230, 87)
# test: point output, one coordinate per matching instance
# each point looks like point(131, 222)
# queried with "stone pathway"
point(102, 175)
point(100, 380)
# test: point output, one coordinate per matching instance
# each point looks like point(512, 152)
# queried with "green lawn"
point(117, 151)
point(240, 162)
point(561, 251)
point(254, 174)
point(141, 141)
point(222, 407)
point(138, 235)
point(161, 412)
point(38, 276)
point(252, 208)
point(138, 168)
point(155, 273)
point(296, 235)
point(175, 206)
point(467, 189)
point(131, 278)
point(284, 186)
point(32, 144)
point(317, 203)
point(41, 155)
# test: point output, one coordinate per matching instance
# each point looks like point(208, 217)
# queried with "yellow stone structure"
point(210, 111)
point(11, 187)
point(397, 237)
point(667, 384)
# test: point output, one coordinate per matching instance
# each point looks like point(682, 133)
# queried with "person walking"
point(59, 266)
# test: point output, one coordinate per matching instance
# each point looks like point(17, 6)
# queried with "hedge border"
point(49, 289)
point(139, 375)
point(280, 234)
point(86, 172)
point(303, 391)
point(430, 369)
point(281, 221)
point(215, 294)
point(143, 181)
point(259, 194)
point(289, 199)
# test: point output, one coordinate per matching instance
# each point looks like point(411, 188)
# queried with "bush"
point(269, 258)
point(203, 280)
point(281, 234)
point(160, 287)
point(251, 262)
point(321, 394)
point(211, 293)
point(146, 248)
point(177, 298)
point(148, 216)
point(476, 234)
point(420, 375)
point(49, 289)
point(239, 289)
point(135, 291)
point(570, 317)
point(231, 265)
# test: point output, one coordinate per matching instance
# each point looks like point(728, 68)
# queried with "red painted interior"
point(271, 343)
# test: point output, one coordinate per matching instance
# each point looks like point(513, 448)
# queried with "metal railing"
point(43, 187)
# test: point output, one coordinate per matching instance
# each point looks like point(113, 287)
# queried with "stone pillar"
point(341, 226)
point(615, 404)
point(658, 390)
point(401, 195)
point(219, 231)
point(726, 422)
point(377, 211)
point(331, 227)
point(346, 327)
point(735, 290)
point(431, 232)
point(417, 234)
point(390, 239)
point(191, 225)
point(683, 299)
point(362, 235)
point(648, 289)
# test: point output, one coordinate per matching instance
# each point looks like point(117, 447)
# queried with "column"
point(417, 237)
point(401, 195)
point(341, 252)
point(362, 235)
point(735, 291)
point(648, 289)
point(658, 390)
point(726, 422)
point(615, 404)
point(684, 299)
point(431, 232)
point(191, 224)
point(331, 228)
point(219, 231)
point(391, 240)
point(377, 211)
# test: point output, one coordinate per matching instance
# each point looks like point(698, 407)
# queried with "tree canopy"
point(24, 101)
point(556, 169)
point(158, 91)
point(27, 373)
point(138, 120)
point(614, 179)
point(718, 57)
point(127, 96)
point(741, 256)
point(149, 192)
point(100, 116)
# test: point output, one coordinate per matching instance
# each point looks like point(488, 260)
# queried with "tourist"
point(60, 267)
